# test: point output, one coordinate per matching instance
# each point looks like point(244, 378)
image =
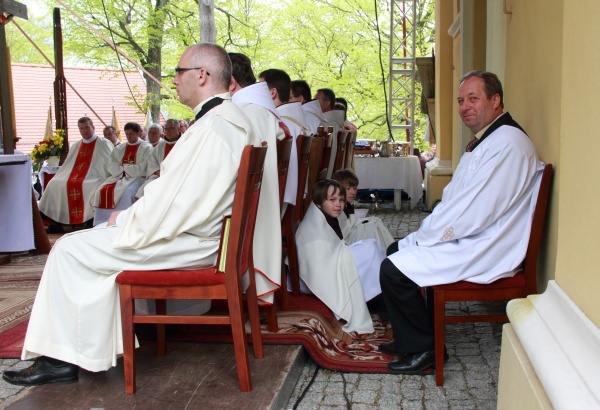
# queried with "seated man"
point(66, 198)
point(110, 133)
point(478, 233)
point(127, 169)
point(255, 101)
point(312, 109)
point(155, 134)
point(75, 321)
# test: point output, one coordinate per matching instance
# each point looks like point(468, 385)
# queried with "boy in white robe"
point(343, 277)
point(76, 321)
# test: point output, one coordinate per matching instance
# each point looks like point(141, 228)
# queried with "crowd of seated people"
point(101, 175)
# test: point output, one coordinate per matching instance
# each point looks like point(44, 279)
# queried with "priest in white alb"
point(66, 198)
point(75, 321)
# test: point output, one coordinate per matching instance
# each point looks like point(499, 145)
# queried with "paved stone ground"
point(470, 375)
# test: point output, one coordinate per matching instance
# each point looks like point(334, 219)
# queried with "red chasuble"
point(75, 182)
point(168, 148)
point(107, 192)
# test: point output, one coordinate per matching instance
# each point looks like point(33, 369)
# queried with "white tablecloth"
point(397, 173)
point(16, 222)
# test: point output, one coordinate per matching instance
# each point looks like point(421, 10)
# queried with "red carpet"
point(309, 323)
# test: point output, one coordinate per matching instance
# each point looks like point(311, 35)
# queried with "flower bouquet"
point(48, 147)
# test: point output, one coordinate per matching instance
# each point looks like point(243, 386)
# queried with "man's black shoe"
point(42, 371)
point(414, 363)
point(55, 227)
point(391, 348)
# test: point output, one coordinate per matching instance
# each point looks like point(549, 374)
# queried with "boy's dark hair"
point(301, 88)
point(319, 192)
point(346, 176)
point(134, 126)
point(241, 69)
point(280, 80)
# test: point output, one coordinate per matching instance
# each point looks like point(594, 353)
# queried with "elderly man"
point(478, 233)
point(254, 99)
point(66, 198)
point(127, 168)
point(75, 319)
point(155, 134)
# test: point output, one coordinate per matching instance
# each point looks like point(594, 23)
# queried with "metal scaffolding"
point(401, 104)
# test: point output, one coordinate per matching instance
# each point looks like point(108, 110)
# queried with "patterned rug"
point(308, 322)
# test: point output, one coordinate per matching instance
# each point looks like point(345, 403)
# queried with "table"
point(397, 173)
point(16, 221)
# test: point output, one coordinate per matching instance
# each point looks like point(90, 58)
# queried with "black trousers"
point(411, 322)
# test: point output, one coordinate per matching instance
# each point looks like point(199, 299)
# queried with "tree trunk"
point(156, 24)
point(208, 30)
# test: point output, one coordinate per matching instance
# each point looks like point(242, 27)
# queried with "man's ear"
point(496, 100)
point(232, 85)
point(274, 93)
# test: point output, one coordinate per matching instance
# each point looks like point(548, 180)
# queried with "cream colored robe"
point(76, 313)
point(335, 118)
point(125, 174)
point(328, 268)
point(255, 101)
point(314, 116)
point(54, 202)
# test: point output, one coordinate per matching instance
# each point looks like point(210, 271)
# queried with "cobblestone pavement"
point(470, 375)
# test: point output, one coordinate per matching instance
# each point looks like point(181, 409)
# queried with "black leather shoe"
point(43, 371)
point(391, 348)
point(414, 363)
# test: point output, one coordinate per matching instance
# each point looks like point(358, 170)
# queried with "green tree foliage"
point(329, 43)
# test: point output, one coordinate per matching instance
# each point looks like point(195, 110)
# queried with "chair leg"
point(272, 318)
point(161, 346)
point(282, 293)
point(239, 341)
point(127, 311)
point(255, 317)
point(292, 251)
point(439, 303)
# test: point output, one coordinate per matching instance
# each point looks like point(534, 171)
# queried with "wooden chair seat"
point(222, 281)
point(520, 285)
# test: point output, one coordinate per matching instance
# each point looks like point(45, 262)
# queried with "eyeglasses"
point(180, 70)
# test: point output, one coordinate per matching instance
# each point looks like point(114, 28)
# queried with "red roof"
point(33, 87)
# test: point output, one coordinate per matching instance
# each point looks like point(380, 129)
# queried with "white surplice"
point(314, 116)
point(55, 203)
point(328, 268)
point(356, 229)
point(255, 101)
point(479, 232)
point(177, 224)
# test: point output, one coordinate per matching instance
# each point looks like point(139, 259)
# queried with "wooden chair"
point(519, 286)
point(293, 216)
point(317, 169)
point(222, 281)
point(284, 150)
point(350, 141)
point(340, 151)
point(326, 151)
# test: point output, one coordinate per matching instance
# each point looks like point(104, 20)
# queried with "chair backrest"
point(537, 228)
point(245, 207)
point(304, 145)
point(340, 151)
point(350, 141)
point(284, 150)
point(328, 140)
point(314, 163)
